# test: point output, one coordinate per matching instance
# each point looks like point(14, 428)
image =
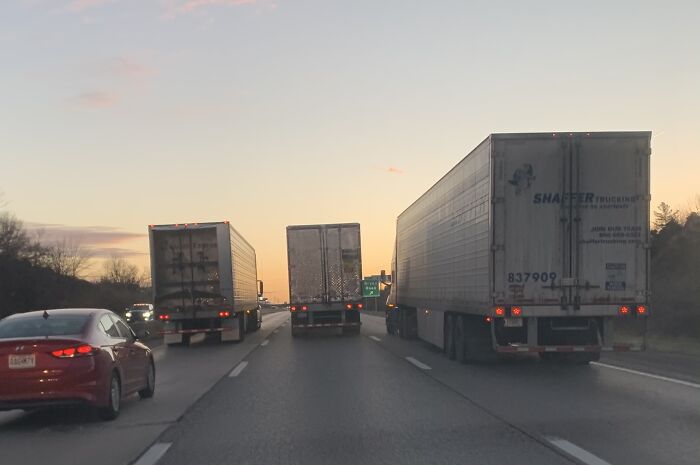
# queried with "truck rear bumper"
point(516, 348)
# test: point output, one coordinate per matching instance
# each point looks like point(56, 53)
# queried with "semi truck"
point(532, 243)
point(325, 275)
point(204, 279)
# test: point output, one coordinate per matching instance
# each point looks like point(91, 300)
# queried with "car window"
point(122, 327)
point(108, 327)
point(32, 326)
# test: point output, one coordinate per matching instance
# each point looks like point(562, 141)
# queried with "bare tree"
point(68, 258)
point(13, 238)
point(119, 272)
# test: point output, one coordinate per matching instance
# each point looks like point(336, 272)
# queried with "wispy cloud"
point(100, 241)
point(125, 66)
point(79, 6)
point(191, 6)
point(393, 170)
point(95, 99)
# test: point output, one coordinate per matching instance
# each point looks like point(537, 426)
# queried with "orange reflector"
point(516, 311)
point(624, 310)
point(500, 311)
point(641, 310)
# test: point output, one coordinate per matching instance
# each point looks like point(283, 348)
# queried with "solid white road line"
point(239, 368)
point(648, 375)
point(575, 451)
point(265, 342)
point(375, 338)
point(420, 365)
point(154, 453)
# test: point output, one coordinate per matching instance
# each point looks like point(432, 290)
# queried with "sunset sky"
point(120, 113)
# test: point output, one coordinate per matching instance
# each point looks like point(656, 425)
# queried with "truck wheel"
point(460, 339)
point(449, 336)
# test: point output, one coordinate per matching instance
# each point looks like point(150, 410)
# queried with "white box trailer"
point(204, 278)
point(325, 274)
point(532, 243)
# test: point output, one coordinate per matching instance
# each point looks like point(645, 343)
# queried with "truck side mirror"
point(261, 288)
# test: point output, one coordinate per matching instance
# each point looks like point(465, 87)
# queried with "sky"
point(116, 114)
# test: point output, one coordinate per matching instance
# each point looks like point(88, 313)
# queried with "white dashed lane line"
point(417, 363)
point(239, 368)
point(154, 453)
point(576, 452)
point(265, 342)
point(375, 338)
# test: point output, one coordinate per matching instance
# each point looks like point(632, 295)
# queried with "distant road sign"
point(370, 288)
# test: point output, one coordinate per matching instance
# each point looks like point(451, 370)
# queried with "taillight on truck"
point(500, 311)
point(516, 311)
point(304, 308)
point(641, 310)
point(164, 316)
point(624, 310)
point(348, 306)
point(293, 308)
point(224, 314)
point(359, 306)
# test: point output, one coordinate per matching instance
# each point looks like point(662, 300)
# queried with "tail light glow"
point(293, 308)
point(224, 314)
point(624, 310)
point(348, 306)
point(641, 310)
point(360, 306)
point(516, 311)
point(72, 352)
point(488, 319)
point(164, 316)
point(500, 311)
point(304, 308)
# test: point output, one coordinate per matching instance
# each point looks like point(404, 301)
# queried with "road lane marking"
point(239, 368)
point(575, 451)
point(420, 365)
point(276, 331)
point(648, 375)
point(154, 453)
point(265, 342)
point(375, 338)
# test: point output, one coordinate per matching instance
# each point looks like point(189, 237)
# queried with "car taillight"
point(164, 316)
point(71, 352)
point(293, 308)
point(624, 310)
point(224, 314)
point(516, 311)
point(641, 310)
point(360, 306)
point(500, 311)
point(304, 308)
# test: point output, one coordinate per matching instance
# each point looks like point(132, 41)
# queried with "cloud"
point(95, 99)
point(127, 67)
point(79, 6)
point(190, 6)
point(393, 170)
point(100, 241)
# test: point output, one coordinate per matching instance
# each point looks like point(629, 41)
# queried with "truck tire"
point(460, 339)
point(449, 336)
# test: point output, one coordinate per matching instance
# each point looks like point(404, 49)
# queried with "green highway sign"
point(370, 288)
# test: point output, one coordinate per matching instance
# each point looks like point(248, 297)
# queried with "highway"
point(327, 399)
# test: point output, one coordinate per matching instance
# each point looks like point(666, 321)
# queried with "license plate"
point(513, 322)
point(18, 362)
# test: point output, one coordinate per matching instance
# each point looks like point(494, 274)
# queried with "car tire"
point(114, 399)
point(150, 389)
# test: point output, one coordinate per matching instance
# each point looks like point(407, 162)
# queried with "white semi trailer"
point(532, 243)
point(204, 278)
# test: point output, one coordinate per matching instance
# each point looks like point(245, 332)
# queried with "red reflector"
point(641, 310)
point(624, 310)
point(293, 308)
point(360, 306)
point(516, 311)
point(304, 308)
point(500, 311)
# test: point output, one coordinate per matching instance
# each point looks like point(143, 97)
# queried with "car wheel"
point(111, 411)
point(150, 388)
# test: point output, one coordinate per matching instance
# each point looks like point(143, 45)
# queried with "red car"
point(72, 356)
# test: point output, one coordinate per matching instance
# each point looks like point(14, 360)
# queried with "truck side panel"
point(244, 280)
point(443, 241)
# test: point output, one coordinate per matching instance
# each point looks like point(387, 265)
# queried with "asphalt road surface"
point(374, 399)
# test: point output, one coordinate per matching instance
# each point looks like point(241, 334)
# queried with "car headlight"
point(146, 314)
point(128, 314)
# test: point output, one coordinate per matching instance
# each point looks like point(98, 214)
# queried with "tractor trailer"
point(325, 275)
point(532, 243)
point(204, 279)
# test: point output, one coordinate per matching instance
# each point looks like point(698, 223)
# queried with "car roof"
point(61, 311)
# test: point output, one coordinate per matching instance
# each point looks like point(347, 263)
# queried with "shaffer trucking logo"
point(522, 178)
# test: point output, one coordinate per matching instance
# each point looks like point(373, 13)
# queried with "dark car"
point(72, 356)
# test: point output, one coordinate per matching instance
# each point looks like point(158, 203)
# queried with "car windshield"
point(38, 326)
